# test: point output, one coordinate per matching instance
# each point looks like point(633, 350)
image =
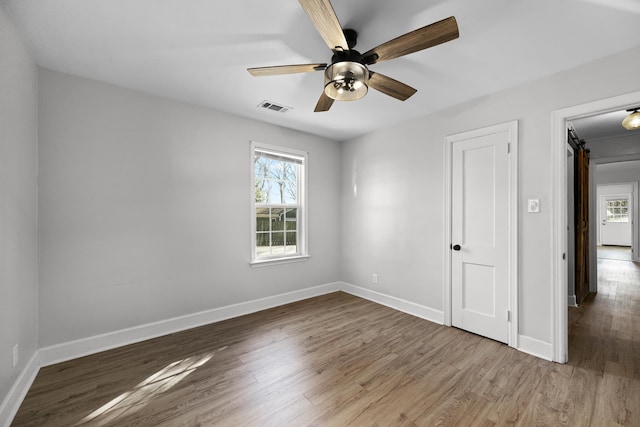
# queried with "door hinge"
point(508, 315)
point(508, 148)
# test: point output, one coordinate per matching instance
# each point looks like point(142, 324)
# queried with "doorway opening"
point(617, 208)
point(561, 120)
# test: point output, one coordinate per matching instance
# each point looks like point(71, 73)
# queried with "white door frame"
point(571, 226)
point(512, 129)
point(558, 278)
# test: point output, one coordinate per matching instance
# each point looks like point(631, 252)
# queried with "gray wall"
point(144, 209)
point(613, 173)
point(18, 203)
point(614, 149)
point(394, 225)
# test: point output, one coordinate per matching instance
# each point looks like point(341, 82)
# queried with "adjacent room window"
point(278, 203)
point(618, 210)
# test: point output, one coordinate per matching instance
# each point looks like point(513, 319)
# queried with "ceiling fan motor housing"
point(347, 78)
point(351, 36)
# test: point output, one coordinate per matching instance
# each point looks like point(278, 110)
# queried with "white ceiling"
point(608, 125)
point(198, 50)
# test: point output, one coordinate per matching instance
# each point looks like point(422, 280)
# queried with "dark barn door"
point(582, 223)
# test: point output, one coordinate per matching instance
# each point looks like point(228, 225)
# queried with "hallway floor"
point(604, 344)
point(622, 253)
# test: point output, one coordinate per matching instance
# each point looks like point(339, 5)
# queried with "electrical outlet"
point(374, 278)
point(16, 355)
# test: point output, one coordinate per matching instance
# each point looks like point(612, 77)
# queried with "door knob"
point(456, 247)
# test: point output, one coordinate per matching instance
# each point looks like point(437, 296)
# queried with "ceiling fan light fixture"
point(632, 121)
point(346, 81)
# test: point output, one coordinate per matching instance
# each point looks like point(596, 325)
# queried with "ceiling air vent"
point(268, 105)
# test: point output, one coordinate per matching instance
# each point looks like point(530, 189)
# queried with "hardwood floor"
point(622, 253)
point(339, 360)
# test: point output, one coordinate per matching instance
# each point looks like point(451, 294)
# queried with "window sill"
point(276, 261)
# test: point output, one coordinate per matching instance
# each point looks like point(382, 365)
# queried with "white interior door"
point(615, 219)
point(480, 235)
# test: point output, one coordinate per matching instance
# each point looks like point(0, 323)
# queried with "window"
point(278, 203)
point(618, 210)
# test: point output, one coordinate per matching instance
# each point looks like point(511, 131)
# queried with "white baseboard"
point(71, 350)
point(11, 403)
point(571, 301)
point(534, 347)
point(85, 346)
point(399, 304)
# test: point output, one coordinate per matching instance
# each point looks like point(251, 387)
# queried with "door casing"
point(558, 298)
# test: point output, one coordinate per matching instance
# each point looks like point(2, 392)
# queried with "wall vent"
point(268, 105)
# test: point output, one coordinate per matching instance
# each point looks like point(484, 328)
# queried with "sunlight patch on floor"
point(136, 398)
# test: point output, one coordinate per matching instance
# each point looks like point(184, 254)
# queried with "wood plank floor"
point(339, 360)
point(622, 253)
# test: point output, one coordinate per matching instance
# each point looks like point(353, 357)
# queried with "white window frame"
point(301, 215)
point(615, 213)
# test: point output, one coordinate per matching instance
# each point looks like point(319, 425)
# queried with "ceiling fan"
point(348, 78)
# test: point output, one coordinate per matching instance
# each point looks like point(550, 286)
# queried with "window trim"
point(614, 213)
point(302, 252)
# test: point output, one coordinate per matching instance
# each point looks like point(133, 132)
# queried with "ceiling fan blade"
point(422, 38)
point(285, 69)
point(326, 22)
point(390, 87)
point(324, 103)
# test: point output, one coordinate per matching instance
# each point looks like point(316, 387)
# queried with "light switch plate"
point(534, 205)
